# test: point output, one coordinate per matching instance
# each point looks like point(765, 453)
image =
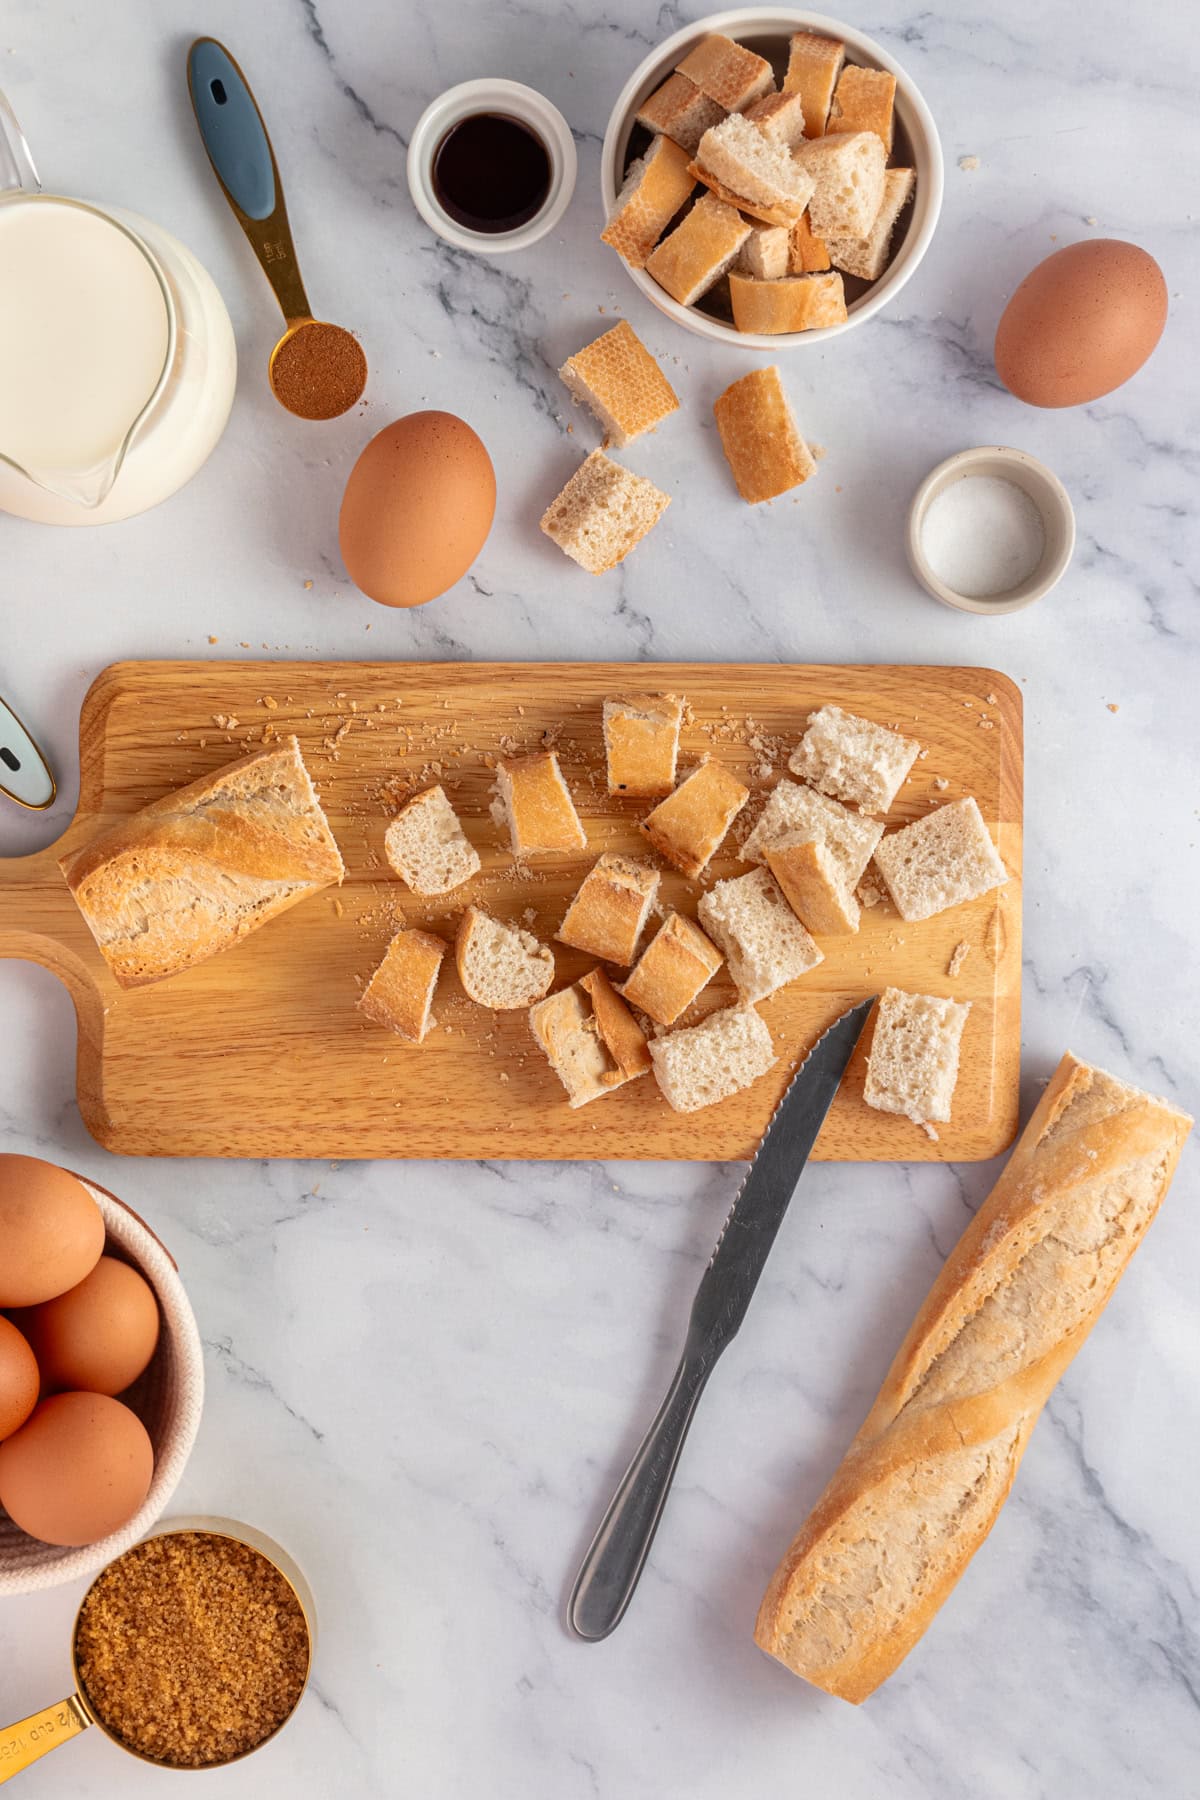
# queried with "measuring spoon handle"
point(233, 134)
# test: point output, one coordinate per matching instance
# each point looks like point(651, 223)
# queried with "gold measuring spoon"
point(317, 370)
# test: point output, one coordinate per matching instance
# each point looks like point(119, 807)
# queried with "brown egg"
point(18, 1379)
point(1081, 323)
point(417, 509)
point(51, 1230)
point(99, 1335)
point(78, 1469)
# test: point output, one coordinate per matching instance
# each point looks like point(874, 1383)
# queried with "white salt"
point(983, 536)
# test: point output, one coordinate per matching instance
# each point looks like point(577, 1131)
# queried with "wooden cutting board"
point(261, 1052)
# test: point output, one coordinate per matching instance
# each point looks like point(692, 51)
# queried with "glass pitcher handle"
point(17, 167)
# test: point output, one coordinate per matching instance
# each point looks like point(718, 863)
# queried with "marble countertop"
point(424, 1379)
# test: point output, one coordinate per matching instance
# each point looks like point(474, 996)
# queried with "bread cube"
point(602, 513)
point(853, 758)
point(607, 914)
point(764, 942)
point(590, 1038)
point(689, 825)
point(940, 861)
point(912, 1067)
point(675, 965)
point(427, 847)
point(800, 811)
point(399, 994)
point(641, 743)
point(619, 380)
point(708, 1062)
point(536, 805)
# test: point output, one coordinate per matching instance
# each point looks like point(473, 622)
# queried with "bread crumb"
point(869, 892)
point(213, 640)
point(992, 699)
point(930, 1131)
point(269, 702)
point(1113, 706)
point(940, 783)
point(958, 957)
point(1090, 219)
point(308, 584)
point(968, 162)
point(503, 1076)
point(818, 452)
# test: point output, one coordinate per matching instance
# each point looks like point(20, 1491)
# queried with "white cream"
point(84, 333)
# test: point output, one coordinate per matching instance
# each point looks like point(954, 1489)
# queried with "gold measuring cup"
point(30, 1739)
point(317, 370)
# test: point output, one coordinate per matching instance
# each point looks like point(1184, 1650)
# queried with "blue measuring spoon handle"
point(232, 129)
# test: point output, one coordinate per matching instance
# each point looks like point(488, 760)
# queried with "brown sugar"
point(191, 1649)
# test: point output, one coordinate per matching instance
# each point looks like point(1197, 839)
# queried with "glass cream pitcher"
point(117, 356)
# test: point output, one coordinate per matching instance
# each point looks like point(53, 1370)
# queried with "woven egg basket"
point(168, 1399)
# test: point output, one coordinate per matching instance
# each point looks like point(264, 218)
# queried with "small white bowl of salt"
point(990, 531)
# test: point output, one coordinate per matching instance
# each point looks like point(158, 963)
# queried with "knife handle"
point(611, 1569)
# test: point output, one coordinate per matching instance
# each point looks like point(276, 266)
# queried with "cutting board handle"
point(40, 923)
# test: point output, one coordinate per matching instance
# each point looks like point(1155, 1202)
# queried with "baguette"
point(687, 828)
point(813, 885)
point(765, 944)
point(590, 1038)
point(607, 914)
point(399, 994)
point(500, 966)
point(760, 438)
point(427, 847)
point(603, 513)
point(697, 253)
point(925, 1478)
point(863, 101)
point(738, 156)
point(807, 253)
point(814, 64)
point(641, 743)
point(677, 962)
point(780, 117)
point(848, 169)
point(536, 805)
point(681, 111)
point(766, 252)
point(727, 72)
point(868, 257)
point(708, 1062)
point(656, 186)
point(197, 871)
point(619, 380)
point(796, 303)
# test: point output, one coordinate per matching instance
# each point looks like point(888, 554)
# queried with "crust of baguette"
point(814, 64)
point(759, 436)
point(197, 871)
point(607, 914)
point(688, 826)
point(641, 743)
point(926, 1476)
point(767, 215)
point(399, 994)
point(795, 303)
point(807, 253)
point(537, 802)
point(726, 71)
point(699, 250)
point(677, 962)
point(864, 100)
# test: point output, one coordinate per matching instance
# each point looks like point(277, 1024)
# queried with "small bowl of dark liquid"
point(491, 166)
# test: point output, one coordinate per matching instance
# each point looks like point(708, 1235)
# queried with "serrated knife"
point(611, 1569)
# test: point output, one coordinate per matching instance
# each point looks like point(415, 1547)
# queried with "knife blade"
point(617, 1554)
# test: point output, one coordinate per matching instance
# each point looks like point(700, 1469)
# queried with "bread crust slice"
point(618, 379)
point(760, 438)
point(794, 303)
point(673, 968)
point(400, 993)
point(680, 110)
point(814, 64)
point(607, 914)
point(812, 885)
point(538, 807)
point(197, 871)
point(656, 187)
point(688, 827)
point(864, 100)
point(807, 253)
point(726, 71)
point(590, 1039)
point(641, 743)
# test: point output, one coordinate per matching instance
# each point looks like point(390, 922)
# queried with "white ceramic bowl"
point(168, 1399)
point(516, 102)
point(1043, 488)
point(767, 30)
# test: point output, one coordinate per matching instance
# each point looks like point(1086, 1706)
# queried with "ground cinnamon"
point(318, 371)
point(191, 1649)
